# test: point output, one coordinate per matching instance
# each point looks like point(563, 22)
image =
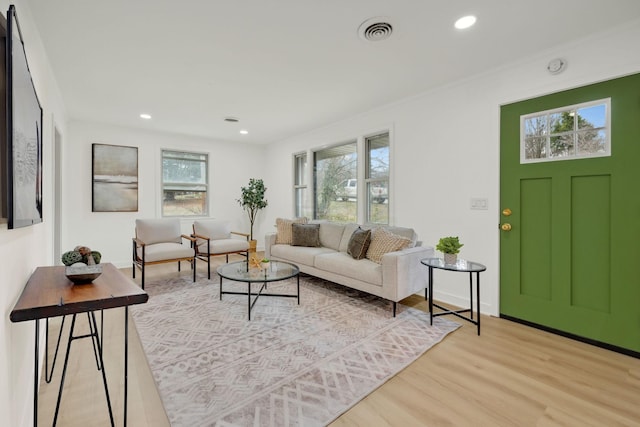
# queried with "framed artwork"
point(23, 153)
point(114, 178)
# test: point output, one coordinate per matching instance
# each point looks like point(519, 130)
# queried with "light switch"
point(479, 204)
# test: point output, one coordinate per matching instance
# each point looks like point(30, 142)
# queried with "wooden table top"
point(49, 293)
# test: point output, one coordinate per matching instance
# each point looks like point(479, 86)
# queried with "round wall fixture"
point(556, 66)
point(375, 29)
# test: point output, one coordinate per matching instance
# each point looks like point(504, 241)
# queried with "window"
point(335, 171)
point(184, 183)
point(302, 206)
point(377, 178)
point(571, 132)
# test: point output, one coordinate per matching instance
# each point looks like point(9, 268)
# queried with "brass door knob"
point(506, 227)
point(506, 212)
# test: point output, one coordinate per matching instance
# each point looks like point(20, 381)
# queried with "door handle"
point(506, 212)
point(505, 227)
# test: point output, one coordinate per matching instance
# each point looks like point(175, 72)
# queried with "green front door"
point(571, 260)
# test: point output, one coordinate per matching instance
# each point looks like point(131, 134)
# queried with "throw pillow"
point(305, 235)
point(359, 243)
point(383, 242)
point(284, 233)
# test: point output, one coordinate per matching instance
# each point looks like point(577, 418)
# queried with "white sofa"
point(399, 275)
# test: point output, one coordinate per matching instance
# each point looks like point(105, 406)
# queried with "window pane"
point(300, 169)
point(378, 206)
point(562, 145)
point(535, 126)
point(185, 171)
point(334, 168)
point(301, 199)
point(184, 203)
point(592, 117)
point(592, 141)
point(377, 179)
point(535, 148)
point(562, 122)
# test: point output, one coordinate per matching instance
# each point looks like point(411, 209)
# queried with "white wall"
point(446, 150)
point(22, 250)
point(230, 167)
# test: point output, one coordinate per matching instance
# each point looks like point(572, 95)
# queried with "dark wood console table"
point(49, 293)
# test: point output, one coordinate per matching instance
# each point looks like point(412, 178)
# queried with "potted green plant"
point(450, 247)
point(252, 200)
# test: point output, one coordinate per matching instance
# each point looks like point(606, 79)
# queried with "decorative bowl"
point(83, 274)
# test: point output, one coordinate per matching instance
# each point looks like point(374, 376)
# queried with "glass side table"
point(460, 266)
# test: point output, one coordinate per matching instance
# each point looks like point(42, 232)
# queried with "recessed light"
point(465, 22)
point(145, 116)
point(244, 132)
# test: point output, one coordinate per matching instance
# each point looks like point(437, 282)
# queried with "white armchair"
point(159, 241)
point(214, 237)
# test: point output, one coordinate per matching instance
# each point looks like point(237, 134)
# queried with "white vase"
point(450, 259)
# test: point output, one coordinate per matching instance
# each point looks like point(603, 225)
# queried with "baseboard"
point(596, 343)
point(461, 302)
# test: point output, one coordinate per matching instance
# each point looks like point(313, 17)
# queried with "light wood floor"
point(511, 375)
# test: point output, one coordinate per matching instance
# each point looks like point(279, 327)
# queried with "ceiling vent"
point(375, 29)
point(231, 119)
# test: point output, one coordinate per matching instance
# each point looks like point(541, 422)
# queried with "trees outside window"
point(333, 167)
point(351, 181)
point(575, 131)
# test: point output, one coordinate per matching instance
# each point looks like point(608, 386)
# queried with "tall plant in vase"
point(252, 200)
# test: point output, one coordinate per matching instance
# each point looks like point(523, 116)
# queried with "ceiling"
point(284, 67)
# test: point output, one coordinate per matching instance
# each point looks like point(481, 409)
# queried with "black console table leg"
point(35, 374)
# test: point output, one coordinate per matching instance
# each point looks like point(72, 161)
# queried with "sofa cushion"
point(285, 231)
point(383, 241)
point(331, 235)
point(409, 233)
point(298, 254)
point(343, 264)
point(305, 235)
point(359, 243)
point(346, 236)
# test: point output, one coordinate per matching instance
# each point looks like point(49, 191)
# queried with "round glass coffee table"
point(275, 272)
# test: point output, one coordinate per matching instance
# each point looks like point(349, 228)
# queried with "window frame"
point(362, 175)
point(300, 184)
point(370, 181)
point(205, 184)
point(347, 142)
point(548, 135)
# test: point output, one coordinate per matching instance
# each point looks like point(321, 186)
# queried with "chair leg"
point(209, 267)
point(194, 269)
point(133, 269)
point(142, 268)
point(178, 265)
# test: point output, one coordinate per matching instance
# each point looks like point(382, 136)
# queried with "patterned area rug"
point(292, 364)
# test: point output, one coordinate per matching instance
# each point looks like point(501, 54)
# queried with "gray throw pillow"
point(359, 243)
point(305, 235)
